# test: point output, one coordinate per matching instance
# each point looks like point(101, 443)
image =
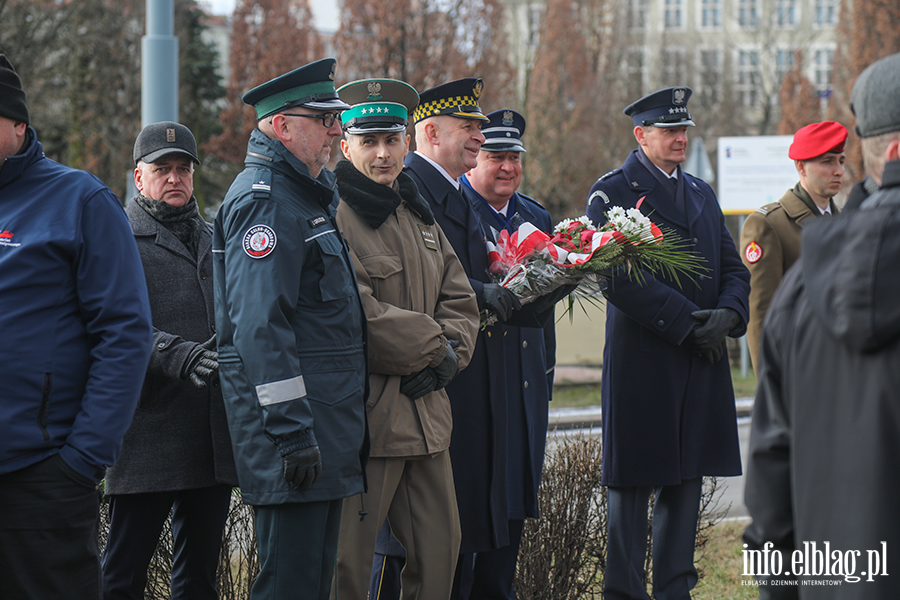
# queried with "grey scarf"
point(182, 221)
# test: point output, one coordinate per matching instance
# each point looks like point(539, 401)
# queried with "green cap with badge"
point(378, 105)
point(310, 86)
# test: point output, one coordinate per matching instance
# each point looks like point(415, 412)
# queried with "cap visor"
point(679, 124)
point(155, 156)
point(504, 147)
point(465, 115)
point(336, 103)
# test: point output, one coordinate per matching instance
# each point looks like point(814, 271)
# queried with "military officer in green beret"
point(291, 335)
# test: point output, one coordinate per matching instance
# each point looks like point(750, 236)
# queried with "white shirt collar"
point(453, 182)
point(824, 210)
point(673, 175)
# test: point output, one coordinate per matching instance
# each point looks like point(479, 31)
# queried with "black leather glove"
point(715, 355)
point(549, 300)
point(302, 467)
point(302, 461)
point(201, 363)
point(711, 328)
point(447, 369)
point(500, 300)
point(418, 384)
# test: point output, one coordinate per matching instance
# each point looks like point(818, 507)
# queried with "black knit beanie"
point(12, 96)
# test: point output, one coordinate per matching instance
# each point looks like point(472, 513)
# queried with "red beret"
point(817, 139)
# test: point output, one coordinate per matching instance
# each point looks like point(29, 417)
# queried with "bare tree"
point(576, 131)
point(426, 43)
point(868, 31)
point(799, 100)
point(268, 38)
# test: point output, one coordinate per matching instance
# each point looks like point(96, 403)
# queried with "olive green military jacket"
point(770, 240)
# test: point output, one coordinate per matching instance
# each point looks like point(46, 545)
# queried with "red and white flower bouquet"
point(532, 263)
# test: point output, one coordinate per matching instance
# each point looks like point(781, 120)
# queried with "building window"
point(785, 13)
point(747, 13)
point(535, 15)
point(673, 14)
point(634, 69)
point(784, 63)
point(674, 67)
point(748, 77)
point(710, 77)
point(826, 12)
point(637, 13)
point(823, 64)
point(711, 13)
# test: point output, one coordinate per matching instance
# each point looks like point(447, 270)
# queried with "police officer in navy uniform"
point(448, 125)
point(668, 404)
point(291, 335)
point(530, 352)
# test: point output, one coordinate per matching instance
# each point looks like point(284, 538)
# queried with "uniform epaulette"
point(764, 209)
point(262, 183)
point(610, 174)
point(529, 198)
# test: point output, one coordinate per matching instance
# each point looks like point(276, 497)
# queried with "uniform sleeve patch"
point(753, 252)
point(259, 241)
point(598, 194)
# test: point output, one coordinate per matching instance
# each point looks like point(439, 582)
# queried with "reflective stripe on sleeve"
point(281, 391)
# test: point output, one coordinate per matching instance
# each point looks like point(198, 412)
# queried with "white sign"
point(754, 171)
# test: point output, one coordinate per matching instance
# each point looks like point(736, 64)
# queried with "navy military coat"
point(668, 415)
point(529, 361)
point(478, 444)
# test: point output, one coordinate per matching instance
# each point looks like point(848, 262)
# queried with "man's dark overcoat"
point(668, 415)
point(478, 444)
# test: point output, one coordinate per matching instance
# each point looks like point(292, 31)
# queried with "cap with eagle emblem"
point(377, 105)
point(663, 108)
point(503, 131)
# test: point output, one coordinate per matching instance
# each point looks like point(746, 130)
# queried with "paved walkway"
point(588, 416)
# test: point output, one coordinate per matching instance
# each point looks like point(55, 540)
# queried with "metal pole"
point(159, 64)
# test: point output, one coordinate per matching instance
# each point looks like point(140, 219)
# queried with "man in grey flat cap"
point(823, 442)
point(291, 335)
point(176, 456)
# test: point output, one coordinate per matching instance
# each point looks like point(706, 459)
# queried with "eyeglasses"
point(327, 118)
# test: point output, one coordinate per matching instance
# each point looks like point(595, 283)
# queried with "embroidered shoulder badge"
point(598, 194)
point(259, 241)
point(753, 252)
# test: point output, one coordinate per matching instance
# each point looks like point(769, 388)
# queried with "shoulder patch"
point(259, 241)
point(753, 252)
point(598, 194)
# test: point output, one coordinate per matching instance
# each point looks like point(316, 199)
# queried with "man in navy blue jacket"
point(530, 352)
point(667, 400)
point(77, 335)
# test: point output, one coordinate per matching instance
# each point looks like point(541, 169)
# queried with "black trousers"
point(674, 532)
point(48, 533)
point(490, 575)
point(136, 521)
point(297, 550)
